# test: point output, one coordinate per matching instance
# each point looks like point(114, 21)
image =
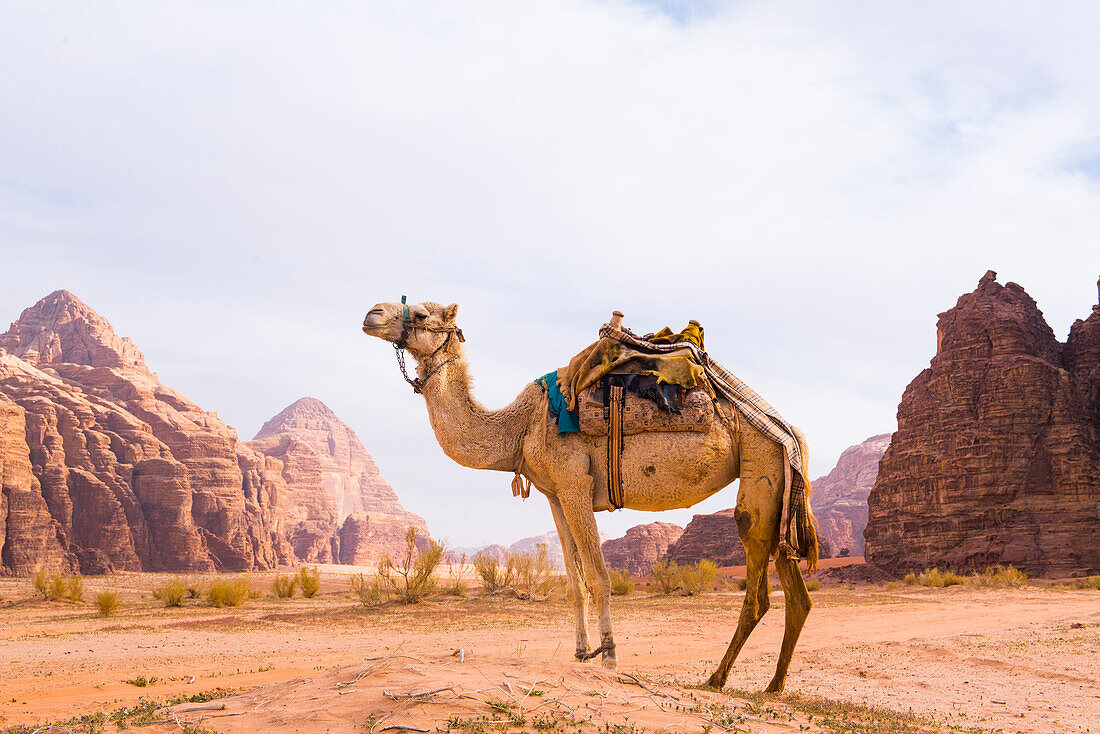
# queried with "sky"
point(233, 185)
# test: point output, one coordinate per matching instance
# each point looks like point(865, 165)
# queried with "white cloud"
point(234, 185)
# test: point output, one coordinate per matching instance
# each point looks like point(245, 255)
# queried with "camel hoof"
point(581, 656)
point(610, 663)
point(716, 682)
point(775, 686)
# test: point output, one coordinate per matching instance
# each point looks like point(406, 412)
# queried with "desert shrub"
point(255, 594)
point(1092, 582)
point(284, 586)
point(843, 553)
point(813, 585)
point(1003, 577)
point(935, 578)
point(412, 577)
point(224, 593)
point(107, 602)
point(74, 588)
point(171, 593)
point(666, 576)
point(56, 588)
point(456, 577)
point(309, 581)
point(698, 578)
point(910, 578)
point(532, 573)
point(494, 575)
point(194, 589)
point(370, 590)
point(622, 584)
point(41, 584)
point(893, 585)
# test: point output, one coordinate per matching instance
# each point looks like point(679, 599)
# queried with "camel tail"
point(807, 523)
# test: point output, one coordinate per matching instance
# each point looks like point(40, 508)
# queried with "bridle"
point(407, 327)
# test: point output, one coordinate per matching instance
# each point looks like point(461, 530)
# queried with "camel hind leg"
point(756, 599)
point(798, 604)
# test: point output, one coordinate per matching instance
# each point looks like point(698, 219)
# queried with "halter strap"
point(399, 347)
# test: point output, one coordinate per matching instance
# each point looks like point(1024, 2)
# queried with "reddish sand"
point(1016, 660)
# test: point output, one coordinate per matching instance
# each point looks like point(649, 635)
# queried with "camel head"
point(429, 326)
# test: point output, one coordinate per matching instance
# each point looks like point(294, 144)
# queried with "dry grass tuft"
point(284, 586)
point(532, 574)
point(1002, 577)
point(935, 578)
point(813, 585)
point(171, 593)
point(228, 593)
point(688, 580)
point(622, 583)
point(107, 602)
point(369, 590)
point(309, 581)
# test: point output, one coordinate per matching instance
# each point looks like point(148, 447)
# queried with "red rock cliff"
point(997, 454)
point(339, 508)
point(641, 547)
point(125, 473)
point(840, 497)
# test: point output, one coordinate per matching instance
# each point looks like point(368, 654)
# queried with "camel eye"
point(421, 316)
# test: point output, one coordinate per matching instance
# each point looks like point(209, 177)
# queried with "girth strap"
point(616, 403)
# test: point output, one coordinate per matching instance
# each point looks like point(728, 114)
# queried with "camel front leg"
point(752, 609)
point(586, 535)
point(798, 607)
point(574, 572)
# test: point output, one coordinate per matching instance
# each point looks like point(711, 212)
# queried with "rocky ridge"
point(839, 498)
point(339, 509)
point(104, 468)
point(641, 546)
point(997, 454)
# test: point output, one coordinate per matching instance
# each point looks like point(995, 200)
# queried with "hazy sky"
point(233, 185)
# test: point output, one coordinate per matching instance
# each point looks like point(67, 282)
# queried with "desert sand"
point(870, 659)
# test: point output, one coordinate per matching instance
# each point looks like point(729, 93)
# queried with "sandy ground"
point(960, 659)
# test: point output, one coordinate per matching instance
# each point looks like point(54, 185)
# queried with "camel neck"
point(466, 431)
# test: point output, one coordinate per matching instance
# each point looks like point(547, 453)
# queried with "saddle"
point(636, 414)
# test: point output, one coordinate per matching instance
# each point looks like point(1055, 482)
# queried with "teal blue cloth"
point(567, 419)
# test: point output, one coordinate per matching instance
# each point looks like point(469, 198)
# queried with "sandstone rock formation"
point(839, 498)
point(338, 508)
point(641, 547)
point(132, 475)
point(997, 454)
point(712, 537)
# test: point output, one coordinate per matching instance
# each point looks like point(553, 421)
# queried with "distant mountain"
point(839, 498)
point(339, 508)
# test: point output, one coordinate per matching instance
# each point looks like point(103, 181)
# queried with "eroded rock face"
point(133, 475)
point(641, 547)
point(839, 498)
point(339, 509)
point(712, 537)
point(997, 454)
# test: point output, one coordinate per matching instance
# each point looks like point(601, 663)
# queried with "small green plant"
point(107, 602)
point(284, 586)
point(171, 593)
point(228, 593)
point(141, 681)
point(622, 583)
point(309, 581)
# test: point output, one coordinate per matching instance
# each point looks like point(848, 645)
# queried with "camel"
point(662, 471)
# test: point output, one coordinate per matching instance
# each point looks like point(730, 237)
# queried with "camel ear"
point(450, 312)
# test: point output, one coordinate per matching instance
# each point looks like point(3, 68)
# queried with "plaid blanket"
point(797, 533)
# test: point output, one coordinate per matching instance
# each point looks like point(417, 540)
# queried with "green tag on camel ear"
point(404, 309)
